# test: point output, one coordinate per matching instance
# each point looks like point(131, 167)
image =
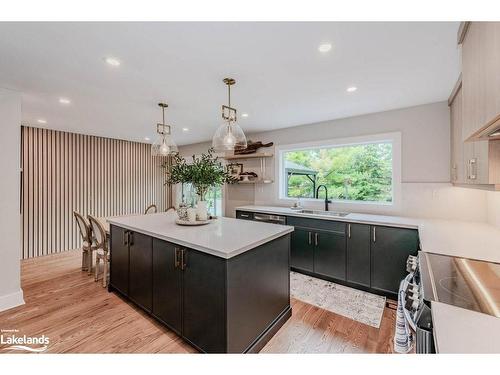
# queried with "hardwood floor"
point(80, 316)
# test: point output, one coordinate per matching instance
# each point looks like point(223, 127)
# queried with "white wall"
point(11, 294)
point(425, 160)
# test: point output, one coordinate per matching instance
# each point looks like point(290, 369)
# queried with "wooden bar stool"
point(86, 234)
point(151, 209)
point(101, 249)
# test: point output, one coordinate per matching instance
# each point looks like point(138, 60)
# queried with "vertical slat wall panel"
point(63, 172)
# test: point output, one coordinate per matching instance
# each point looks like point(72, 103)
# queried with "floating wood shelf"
point(258, 181)
point(249, 156)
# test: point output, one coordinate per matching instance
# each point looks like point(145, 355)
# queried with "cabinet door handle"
point(125, 237)
point(374, 234)
point(177, 262)
point(183, 259)
point(473, 168)
point(310, 238)
point(349, 230)
point(316, 237)
point(244, 215)
point(130, 238)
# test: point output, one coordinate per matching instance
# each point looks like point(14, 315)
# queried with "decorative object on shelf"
point(248, 176)
point(252, 147)
point(164, 144)
point(235, 169)
point(203, 173)
point(229, 136)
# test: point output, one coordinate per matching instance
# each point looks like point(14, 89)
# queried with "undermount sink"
point(323, 213)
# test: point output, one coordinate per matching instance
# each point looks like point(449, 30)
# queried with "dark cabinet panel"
point(302, 250)
point(244, 215)
point(329, 254)
point(141, 267)
point(390, 248)
point(119, 259)
point(358, 254)
point(204, 283)
point(167, 285)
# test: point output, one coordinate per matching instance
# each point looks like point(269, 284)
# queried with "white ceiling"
point(282, 78)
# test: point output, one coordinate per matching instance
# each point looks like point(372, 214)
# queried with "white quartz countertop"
point(466, 239)
point(393, 221)
point(224, 237)
point(458, 330)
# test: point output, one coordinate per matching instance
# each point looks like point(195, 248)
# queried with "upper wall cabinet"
point(480, 78)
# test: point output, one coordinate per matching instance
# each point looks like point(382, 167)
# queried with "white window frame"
point(394, 138)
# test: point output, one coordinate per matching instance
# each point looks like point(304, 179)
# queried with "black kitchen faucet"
point(326, 196)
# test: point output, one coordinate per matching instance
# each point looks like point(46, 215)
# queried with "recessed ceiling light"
point(113, 61)
point(244, 115)
point(351, 89)
point(185, 129)
point(41, 121)
point(64, 101)
point(325, 47)
point(147, 138)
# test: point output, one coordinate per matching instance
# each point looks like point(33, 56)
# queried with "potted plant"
point(203, 173)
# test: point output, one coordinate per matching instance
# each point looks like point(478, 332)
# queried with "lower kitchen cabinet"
point(167, 285)
point(119, 271)
point(358, 254)
point(140, 270)
point(302, 250)
point(203, 282)
point(390, 248)
point(330, 254)
point(369, 256)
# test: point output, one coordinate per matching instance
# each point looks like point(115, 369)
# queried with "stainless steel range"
point(465, 283)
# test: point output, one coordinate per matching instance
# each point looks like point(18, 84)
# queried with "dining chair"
point(151, 209)
point(101, 248)
point(87, 248)
point(172, 208)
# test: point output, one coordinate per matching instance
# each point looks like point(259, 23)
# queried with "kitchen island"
point(224, 287)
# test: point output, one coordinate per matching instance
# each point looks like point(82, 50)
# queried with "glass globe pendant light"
point(229, 136)
point(164, 144)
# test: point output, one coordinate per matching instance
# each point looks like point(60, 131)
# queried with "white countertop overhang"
point(224, 237)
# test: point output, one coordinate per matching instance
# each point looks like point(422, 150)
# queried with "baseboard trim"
point(11, 300)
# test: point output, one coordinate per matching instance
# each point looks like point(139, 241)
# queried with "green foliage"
point(203, 173)
point(359, 173)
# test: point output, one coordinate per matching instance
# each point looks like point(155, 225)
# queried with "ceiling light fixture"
point(164, 145)
point(64, 101)
point(351, 89)
point(244, 115)
point(229, 136)
point(147, 139)
point(41, 121)
point(113, 61)
point(325, 47)
point(185, 129)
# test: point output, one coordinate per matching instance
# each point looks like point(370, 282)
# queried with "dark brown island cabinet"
point(218, 305)
point(364, 256)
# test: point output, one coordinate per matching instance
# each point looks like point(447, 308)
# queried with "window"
point(214, 198)
point(355, 172)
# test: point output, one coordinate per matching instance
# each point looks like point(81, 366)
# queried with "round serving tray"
point(192, 223)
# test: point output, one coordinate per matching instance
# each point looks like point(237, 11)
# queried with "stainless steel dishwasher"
point(267, 218)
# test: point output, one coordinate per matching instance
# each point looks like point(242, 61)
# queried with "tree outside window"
point(355, 172)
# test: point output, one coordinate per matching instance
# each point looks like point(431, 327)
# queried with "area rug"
point(355, 304)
